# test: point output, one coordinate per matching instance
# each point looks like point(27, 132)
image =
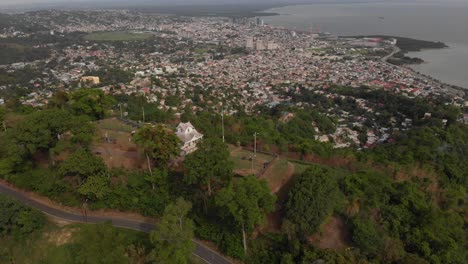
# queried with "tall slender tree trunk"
point(150, 170)
point(209, 188)
point(244, 239)
point(205, 205)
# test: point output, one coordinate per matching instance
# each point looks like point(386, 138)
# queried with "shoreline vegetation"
point(409, 45)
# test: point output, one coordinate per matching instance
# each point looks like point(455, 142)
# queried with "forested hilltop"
point(402, 201)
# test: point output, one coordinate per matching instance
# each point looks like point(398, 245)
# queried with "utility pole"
point(255, 150)
point(255, 144)
point(84, 211)
point(222, 121)
point(121, 113)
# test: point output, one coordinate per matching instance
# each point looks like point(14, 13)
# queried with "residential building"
point(189, 136)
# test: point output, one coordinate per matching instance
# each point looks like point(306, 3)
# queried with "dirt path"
point(269, 169)
point(274, 220)
point(275, 188)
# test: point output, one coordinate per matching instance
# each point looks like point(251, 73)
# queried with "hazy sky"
point(21, 2)
point(9, 2)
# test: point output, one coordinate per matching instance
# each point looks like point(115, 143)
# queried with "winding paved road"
point(201, 251)
point(395, 51)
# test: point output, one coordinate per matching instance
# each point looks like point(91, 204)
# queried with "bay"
point(446, 22)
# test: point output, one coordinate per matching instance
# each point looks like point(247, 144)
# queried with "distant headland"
point(408, 45)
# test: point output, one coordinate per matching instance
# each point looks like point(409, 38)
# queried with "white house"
point(189, 136)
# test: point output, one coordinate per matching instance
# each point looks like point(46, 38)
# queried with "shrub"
point(18, 220)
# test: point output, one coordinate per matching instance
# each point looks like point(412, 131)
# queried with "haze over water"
point(446, 22)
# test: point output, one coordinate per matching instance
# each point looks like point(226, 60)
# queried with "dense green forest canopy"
point(400, 202)
point(27, 236)
point(11, 53)
point(17, 220)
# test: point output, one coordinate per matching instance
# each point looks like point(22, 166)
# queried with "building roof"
point(187, 137)
point(184, 126)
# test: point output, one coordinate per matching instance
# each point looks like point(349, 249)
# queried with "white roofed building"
point(189, 136)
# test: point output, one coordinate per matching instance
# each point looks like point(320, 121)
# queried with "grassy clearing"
point(13, 119)
point(278, 174)
point(51, 240)
point(299, 168)
point(120, 151)
point(117, 36)
point(243, 163)
point(118, 132)
point(115, 125)
point(28, 251)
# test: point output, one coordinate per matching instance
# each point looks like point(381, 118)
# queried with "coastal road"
point(395, 51)
point(203, 252)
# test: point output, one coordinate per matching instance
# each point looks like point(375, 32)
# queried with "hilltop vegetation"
point(28, 237)
point(400, 202)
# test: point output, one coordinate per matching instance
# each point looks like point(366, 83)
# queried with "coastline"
point(407, 45)
point(450, 89)
point(430, 68)
point(443, 62)
point(417, 46)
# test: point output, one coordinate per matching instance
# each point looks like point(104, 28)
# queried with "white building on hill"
point(189, 136)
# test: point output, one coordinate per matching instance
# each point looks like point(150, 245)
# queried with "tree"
point(209, 164)
point(90, 102)
point(95, 187)
point(2, 118)
point(17, 219)
point(82, 131)
point(365, 235)
point(393, 250)
point(246, 200)
point(59, 100)
point(159, 143)
point(157, 176)
point(312, 198)
point(413, 259)
point(304, 148)
point(41, 130)
point(172, 237)
point(289, 229)
point(82, 164)
point(370, 187)
point(11, 156)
